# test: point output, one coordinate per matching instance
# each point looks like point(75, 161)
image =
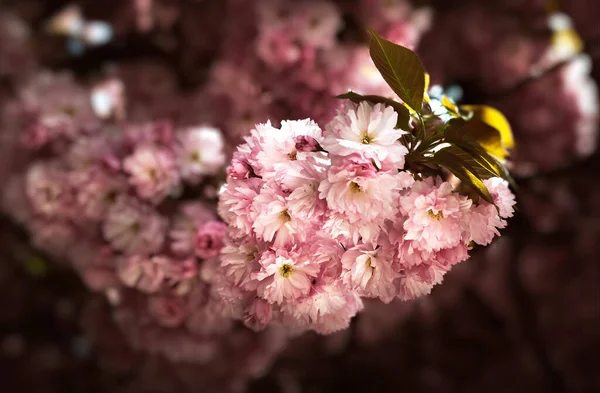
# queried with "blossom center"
point(111, 196)
point(286, 270)
point(436, 216)
point(366, 139)
point(195, 156)
point(355, 187)
point(136, 227)
point(293, 155)
point(69, 110)
point(285, 216)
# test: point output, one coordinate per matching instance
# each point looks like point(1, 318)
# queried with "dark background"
point(521, 316)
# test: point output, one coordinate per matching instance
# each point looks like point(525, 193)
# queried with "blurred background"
point(522, 315)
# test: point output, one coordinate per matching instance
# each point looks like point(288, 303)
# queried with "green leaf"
point(463, 166)
point(403, 113)
point(495, 119)
point(401, 68)
point(460, 133)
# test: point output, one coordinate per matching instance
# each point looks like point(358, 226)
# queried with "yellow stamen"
point(195, 156)
point(355, 187)
point(435, 216)
point(286, 270)
point(366, 138)
point(285, 216)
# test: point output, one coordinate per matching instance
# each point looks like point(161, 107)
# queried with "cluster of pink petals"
point(318, 219)
point(281, 57)
point(106, 196)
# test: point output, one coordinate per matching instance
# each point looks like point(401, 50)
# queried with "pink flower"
point(236, 203)
point(369, 271)
point(285, 275)
point(168, 311)
point(419, 281)
point(134, 228)
point(317, 24)
point(258, 314)
point(153, 172)
point(62, 105)
point(328, 308)
point(335, 321)
point(341, 228)
point(47, 189)
point(273, 220)
point(483, 223)
point(145, 274)
point(199, 153)
point(279, 145)
point(306, 143)
point(363, 77)
point(449, 257)
point(240, 262)
point(436, 215)
point(210, 239)
point(301, 180)
point(366, 128)
point(357, 189)
point(276, 47)
point(96, 191)
point(503, 197)
point(190, 217)
point(239, 168)
point(181, 275)
point(89, 151)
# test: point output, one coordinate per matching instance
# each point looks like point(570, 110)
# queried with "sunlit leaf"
point(403, 113)
point(457, 134)
point(464, 167)
point(495, 119)
point(401, 68)
point(426, 89)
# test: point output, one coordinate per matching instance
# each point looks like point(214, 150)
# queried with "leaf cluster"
point(472, 142)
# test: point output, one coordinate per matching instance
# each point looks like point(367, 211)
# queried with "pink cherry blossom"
point(273, 220)
point(153, 173)
point(96, 191)
point(134, 228)
point(279, 145)
point(258, 314)
point(47, 189)
point(168, 311)
point(356, 188)
point(199, 153)
point(484, 222)
point(209, 239)
point(369, 271)
point(285, 275)
point(366, 128)
point(185, 224)
point(436, 215)
point(236, 203)
point(503, 197)
point(145, 274)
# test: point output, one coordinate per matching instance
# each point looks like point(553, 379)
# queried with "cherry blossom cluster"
point(281, 57)
point(131, 207)
point(318, 219)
